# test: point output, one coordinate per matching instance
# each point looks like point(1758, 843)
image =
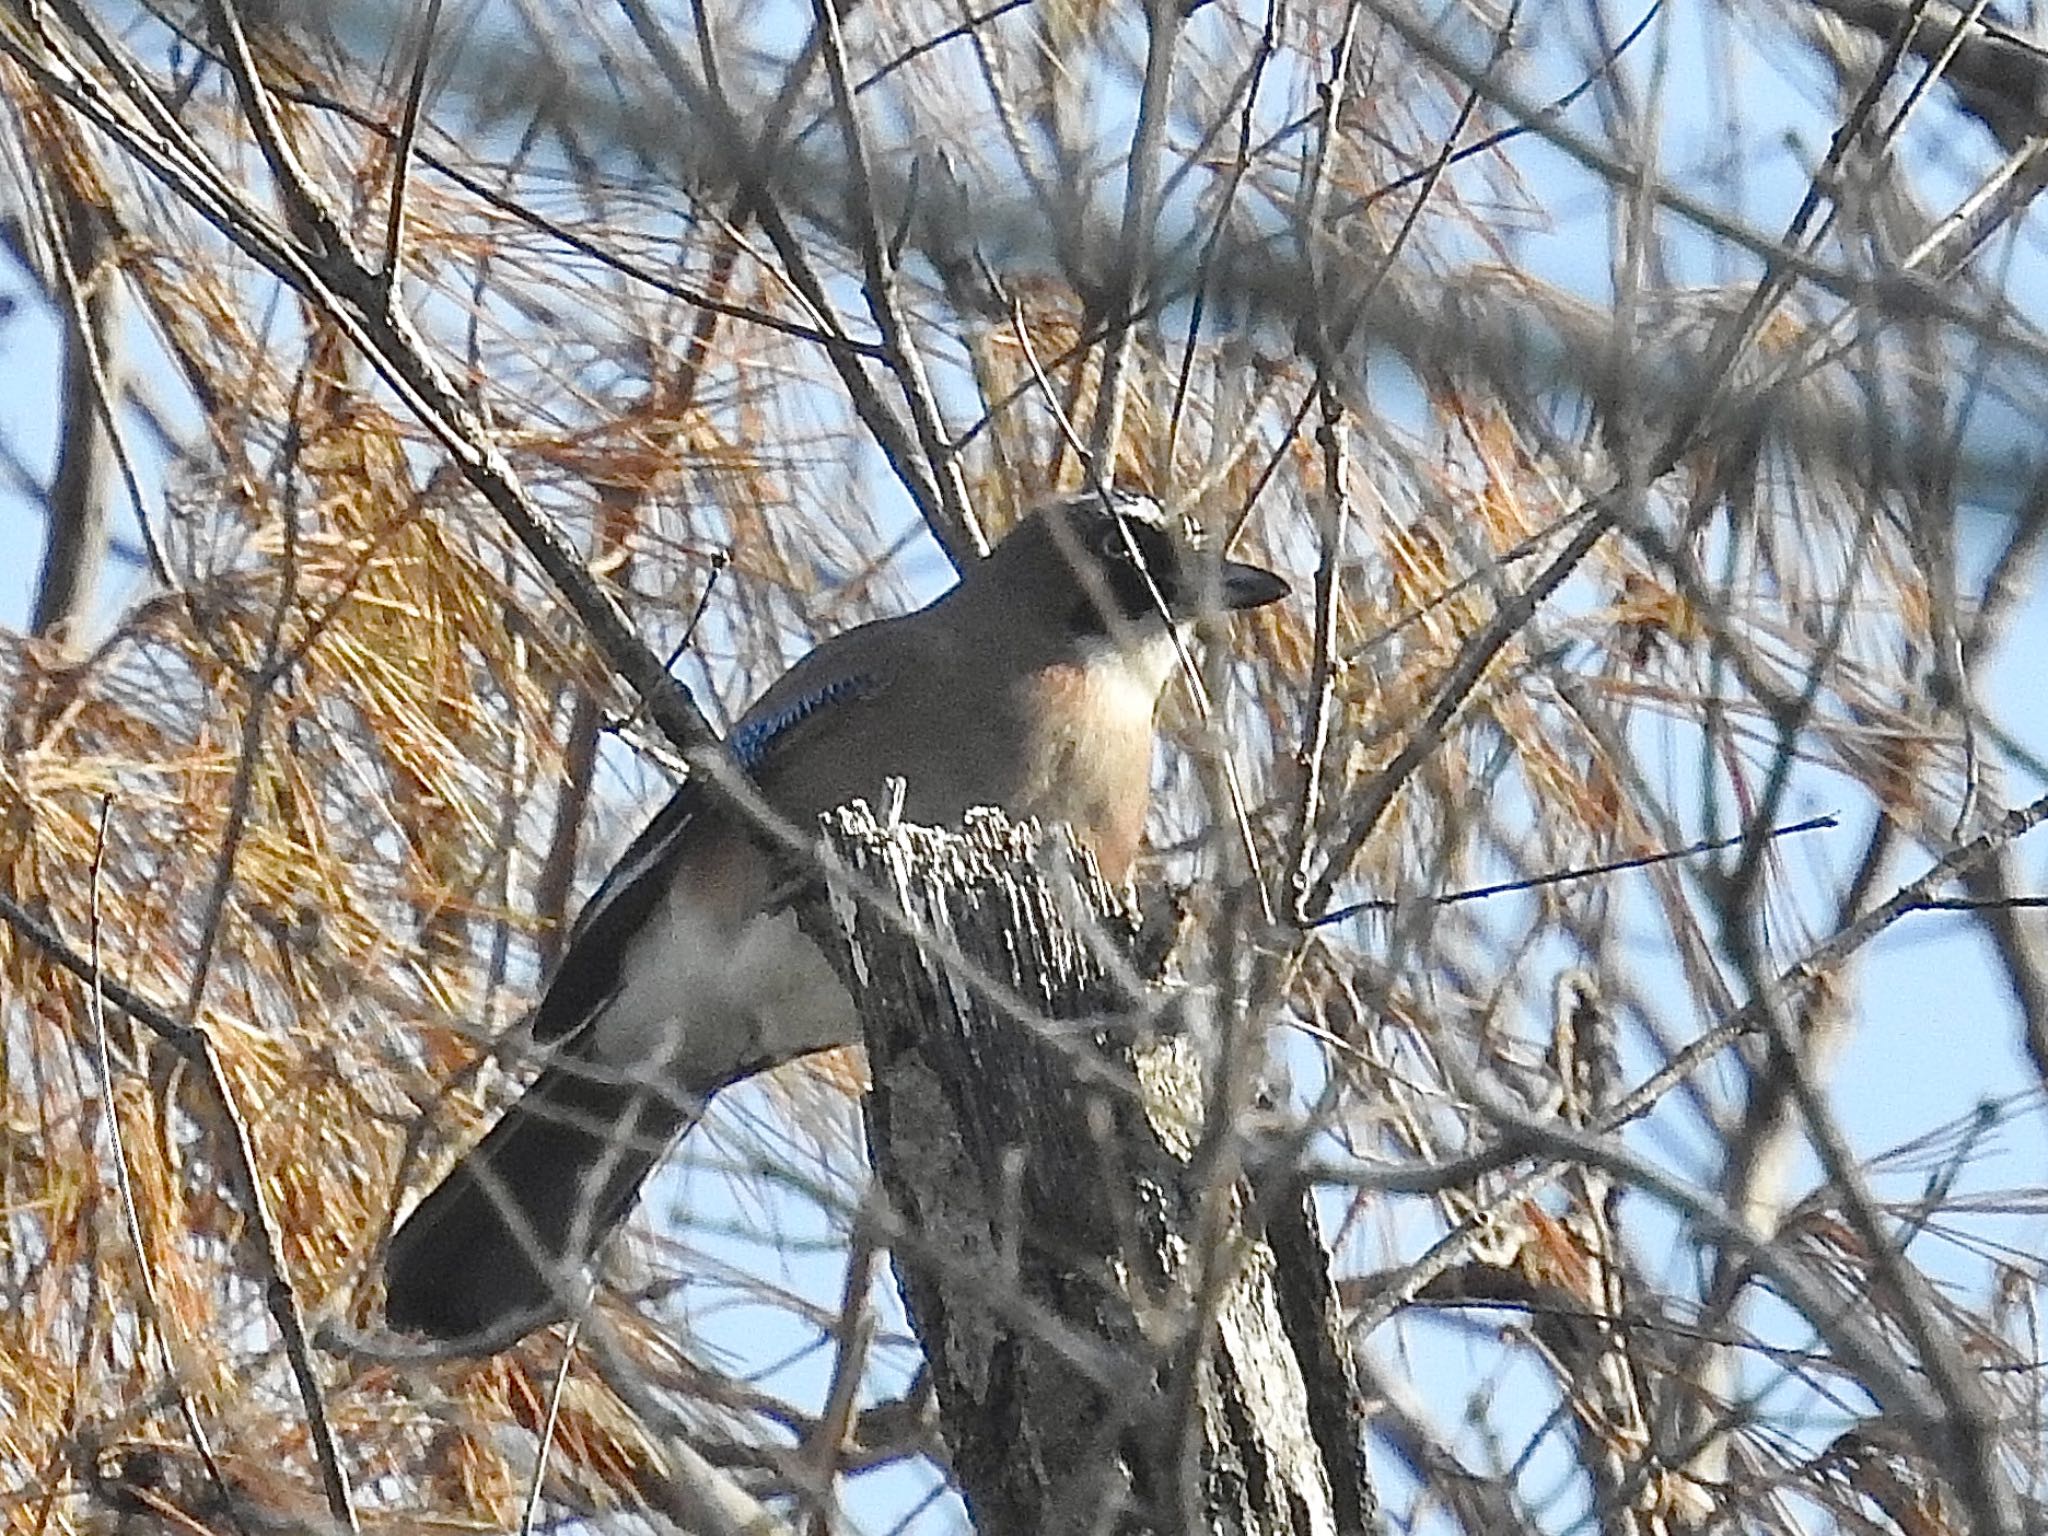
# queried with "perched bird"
point(1030, 686)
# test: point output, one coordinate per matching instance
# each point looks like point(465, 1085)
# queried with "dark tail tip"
point(497, 1248)
point(458, 1273)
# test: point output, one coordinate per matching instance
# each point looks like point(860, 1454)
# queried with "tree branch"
point(1044, 1170)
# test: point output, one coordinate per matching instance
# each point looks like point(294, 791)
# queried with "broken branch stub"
point(1106, 1353)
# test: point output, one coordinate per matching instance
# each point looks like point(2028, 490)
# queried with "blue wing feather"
point(588, 973)
point(751, 744)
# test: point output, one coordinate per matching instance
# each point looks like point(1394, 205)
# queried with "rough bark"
point(1105, 1357)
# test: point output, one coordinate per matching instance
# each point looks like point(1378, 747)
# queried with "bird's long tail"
point(495, 1248)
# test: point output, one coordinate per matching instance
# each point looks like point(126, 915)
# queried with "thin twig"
point(110, 1114)
point(878, 263)
point(1205, 709)
point(1333, 507)
point(1603, 513)
point(895, 440)
point(307, 204)
point(1967, 1420)
point(1795, 985)
point(1979, 904)
point(88, 299)
point(351, 299)
point(2009, 332)
point(853, 1331)
point(1263, 53)
point(531, 1509)
point(556, 877)
point(1584, 872)
point(1474, 658)
point(1131, 282)
point(1833, 1312)
point(968, 27)
point(408, 130)
point(263, 681)
point(1610, 60)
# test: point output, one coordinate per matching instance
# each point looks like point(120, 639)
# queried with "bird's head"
point(1122, 568)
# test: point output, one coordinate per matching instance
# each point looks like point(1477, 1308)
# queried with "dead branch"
point(1040, 1169)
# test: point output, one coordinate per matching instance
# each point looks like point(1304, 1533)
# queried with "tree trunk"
point(1114, 1345)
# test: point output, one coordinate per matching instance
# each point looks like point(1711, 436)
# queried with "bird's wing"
point(833, 677)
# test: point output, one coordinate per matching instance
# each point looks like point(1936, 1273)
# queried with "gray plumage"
point(1030, 686)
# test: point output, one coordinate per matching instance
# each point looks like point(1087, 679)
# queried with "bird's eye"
point(1113, 543)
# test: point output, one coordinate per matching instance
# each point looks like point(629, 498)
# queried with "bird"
point(1030, 686)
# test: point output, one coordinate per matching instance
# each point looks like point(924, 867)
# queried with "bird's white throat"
point(1135, 671)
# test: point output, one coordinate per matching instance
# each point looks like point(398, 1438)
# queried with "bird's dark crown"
point(1122, 563)
point(1124, 557)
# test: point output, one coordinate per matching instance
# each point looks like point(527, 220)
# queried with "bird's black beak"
point(1250, 586)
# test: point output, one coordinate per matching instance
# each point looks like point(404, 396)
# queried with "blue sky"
point(1938, 1033)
